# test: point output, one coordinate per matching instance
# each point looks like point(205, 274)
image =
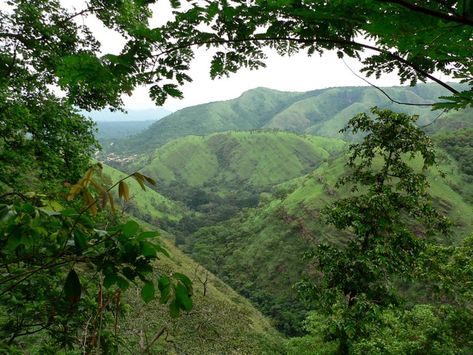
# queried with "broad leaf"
point(148, 291)
point(129, 228)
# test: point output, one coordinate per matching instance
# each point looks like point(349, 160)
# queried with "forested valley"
point(332, 221)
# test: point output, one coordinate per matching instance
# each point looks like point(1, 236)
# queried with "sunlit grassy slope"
point(232, 160)
point(320, 112)
point(221, 322)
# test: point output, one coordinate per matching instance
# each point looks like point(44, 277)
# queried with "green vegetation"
point(239, 160)
point(221, 320)
point(286, 223)
point(391, 221)
point(385, 275)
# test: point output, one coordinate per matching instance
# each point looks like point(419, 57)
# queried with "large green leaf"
point(130, 228)
point(182, 297)
point(148, 291)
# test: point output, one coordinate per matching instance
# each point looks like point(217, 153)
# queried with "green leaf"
point(122, 283)
point(70, 212)
point(147, 234)
point(161, 250)
point(109, 280)
point(164, 286)
point(172, 90)
point(80, 240)
point(72, 287)
point(148, 249)
point(129, 228)
point(182, 296)
point(148, 291)
point(129, 273)
point(184, 279)
point(212, 9)
point(13, 241)
point(174, 309)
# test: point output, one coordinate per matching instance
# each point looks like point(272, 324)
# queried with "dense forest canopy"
point(65, 263)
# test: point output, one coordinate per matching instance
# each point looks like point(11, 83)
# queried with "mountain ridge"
point(318, 112)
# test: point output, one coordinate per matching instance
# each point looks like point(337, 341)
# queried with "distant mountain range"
point(119, 125)
point(320, 112)
point(130, 115)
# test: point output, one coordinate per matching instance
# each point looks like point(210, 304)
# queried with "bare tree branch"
point(384, 92)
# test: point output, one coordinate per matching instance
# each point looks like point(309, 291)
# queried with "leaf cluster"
point(50, 252)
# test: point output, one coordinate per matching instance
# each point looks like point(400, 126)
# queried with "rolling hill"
point(239, 160)
point(320, 112)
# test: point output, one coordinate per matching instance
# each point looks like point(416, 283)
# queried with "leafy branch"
point(338, 41)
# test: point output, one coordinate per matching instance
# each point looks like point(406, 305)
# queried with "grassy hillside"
point(217, 175)
point(236, 160)
point(221, 322)
point(330, 111)
point(253, 109)
point(260, 253)
point(320, 112)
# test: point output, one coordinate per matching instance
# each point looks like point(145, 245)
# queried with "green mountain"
point(319, 112)
point(259, 252)
point(235, 160)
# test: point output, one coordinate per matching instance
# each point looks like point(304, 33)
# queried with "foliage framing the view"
point(50, 254)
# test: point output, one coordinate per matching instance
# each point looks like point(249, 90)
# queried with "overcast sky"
point(296, 73)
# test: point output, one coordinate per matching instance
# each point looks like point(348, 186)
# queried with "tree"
point(63, 271)
point(392, 222)
point(52, 247)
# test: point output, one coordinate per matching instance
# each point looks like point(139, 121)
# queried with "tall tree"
point(391, 218)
